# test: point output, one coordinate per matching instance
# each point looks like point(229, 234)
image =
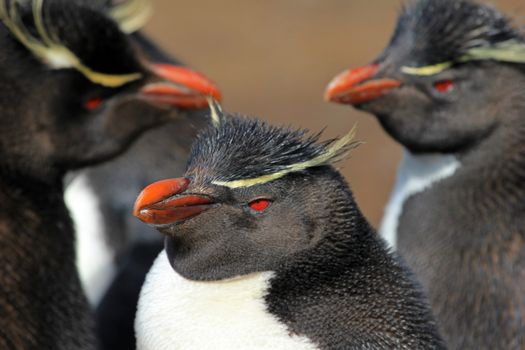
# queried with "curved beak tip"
point(355, 86)
point(163, 202)
point(329, 95)
point(157, 192)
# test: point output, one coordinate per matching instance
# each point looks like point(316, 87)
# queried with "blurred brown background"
point(273, 58)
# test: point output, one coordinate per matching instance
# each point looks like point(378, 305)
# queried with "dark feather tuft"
point(436, 31)
point(241, 148)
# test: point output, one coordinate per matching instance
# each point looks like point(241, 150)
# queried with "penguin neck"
point(349, 260)
point(416, 174)
point(38, 275)
point(174, 313)
point(495, 169)
point(345, 228)
point(488, 175)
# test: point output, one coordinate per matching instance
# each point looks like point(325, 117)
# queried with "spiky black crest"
point(242, 148)
point(436, 31)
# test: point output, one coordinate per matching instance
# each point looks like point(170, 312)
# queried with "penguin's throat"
point(416, 174)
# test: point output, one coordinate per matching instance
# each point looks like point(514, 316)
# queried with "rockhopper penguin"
point(101, 217)
point(100, 199)
point(450, 87)
point(266, 248)
point(74, 93)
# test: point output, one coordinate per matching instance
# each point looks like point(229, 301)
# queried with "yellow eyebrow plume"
point(335, 152)
point(215, 111)
point(508, 51)
point(132, 15)
point(426, 70)
point(50, 50)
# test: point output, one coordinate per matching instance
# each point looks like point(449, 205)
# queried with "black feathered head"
point(433, 35)
point(77, 88)
point(66, 40)
point(242, 152)
point(253, 195)
point(452, 72)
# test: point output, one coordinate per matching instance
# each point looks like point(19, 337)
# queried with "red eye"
point(259, 204)
point(444, 86)
point(93, 103)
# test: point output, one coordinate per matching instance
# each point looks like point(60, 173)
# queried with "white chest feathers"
point(416, 174)
point(176, 313)
point(94, 257)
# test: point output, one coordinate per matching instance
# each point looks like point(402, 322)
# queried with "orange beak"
point(163, 203)
point(181, 87)
point(353, 87)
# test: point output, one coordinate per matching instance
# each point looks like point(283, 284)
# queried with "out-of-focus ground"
point(273, 59)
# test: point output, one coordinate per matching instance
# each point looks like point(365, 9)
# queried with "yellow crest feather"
point(426, 70)
point(508, 51)
point(132, 15)
point(215, 111)
point(49, 49)
point(335, 152)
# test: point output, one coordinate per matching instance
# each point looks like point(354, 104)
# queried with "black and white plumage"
point(59, 60)
point(284, 262)
point(449, 88)
point(101, 199)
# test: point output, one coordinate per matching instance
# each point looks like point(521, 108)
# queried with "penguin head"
point(77, 88)
point(449, 77)
point(253, 196)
